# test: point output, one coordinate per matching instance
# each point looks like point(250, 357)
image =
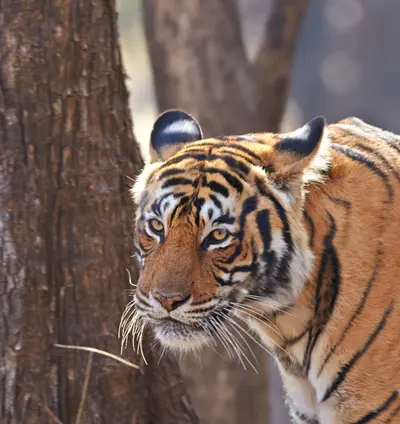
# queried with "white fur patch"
point(278, 245)
point(142, 181)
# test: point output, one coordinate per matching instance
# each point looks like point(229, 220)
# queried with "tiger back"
point(293, 236)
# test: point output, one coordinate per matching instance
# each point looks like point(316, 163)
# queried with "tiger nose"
point(170, 301)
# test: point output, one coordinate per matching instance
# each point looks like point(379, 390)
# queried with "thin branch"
point(101, 352)
point(51, 414)
point(84, 389)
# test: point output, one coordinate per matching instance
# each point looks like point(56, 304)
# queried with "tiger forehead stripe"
point(230, 154)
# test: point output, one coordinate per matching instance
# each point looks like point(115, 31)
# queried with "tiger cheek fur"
point(295, 236)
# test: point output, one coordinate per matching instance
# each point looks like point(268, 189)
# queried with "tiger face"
point(218, 224)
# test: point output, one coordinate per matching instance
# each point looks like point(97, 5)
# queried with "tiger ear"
point(300, 152)
point(171, 131)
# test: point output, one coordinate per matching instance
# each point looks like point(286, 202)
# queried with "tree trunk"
point(66, 153)
point(200, 65)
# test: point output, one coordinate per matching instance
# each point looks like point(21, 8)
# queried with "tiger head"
point(219, 223)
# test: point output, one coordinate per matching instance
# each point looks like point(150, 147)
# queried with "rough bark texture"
point(200, 65)
point(66, 147)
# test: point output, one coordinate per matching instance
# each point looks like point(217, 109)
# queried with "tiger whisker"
point(136, 327)
point(268, 323)
point(273, 341)
point(164, 348)
point(132, 327)
point(221, 339)
point(261, 300)
point(248, 346)
point(130, 278)
point(129, 291)
point(197, 356)
point(141, 342)
point(128, 308)
point(204, 326)
point(125, 323)
point(247, 333)
point(239, 349)
point(256, 311)
point(232, 340)
point(212, 338)
point(264, 323)
point(229, 339)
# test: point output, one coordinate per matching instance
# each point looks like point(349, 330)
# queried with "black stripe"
point(358, 157)
point(225, 219)
point(264, 227)
point(357, 312)
point(217, 188)
point(176, 196)
point(141, 247)
point(182, 202)
point(385, 137)
point(311, 226)
point(340, 201)
point(205, 157)
point(231, 179)
point(243, 149)
point(226, 152)
point(379, 156)
point(393, 414)
point(235, 164)
point(390, 139)
point(242, 268)
point(181, 157)
point(220, 281)
point(375, 412)
point(292, 340)
point(198, 203)
point(304, 418)
point(214, 198)
point(141, 295)
point(221, 268)
point(282, 273)
point(249, 206)
point(341, 376)
point(177, 181)
point(324, 292)
point(170, 173)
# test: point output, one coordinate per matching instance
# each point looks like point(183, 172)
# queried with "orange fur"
point(334, 326)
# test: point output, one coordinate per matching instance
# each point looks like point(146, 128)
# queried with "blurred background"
point(68, 155)
point(345, 63)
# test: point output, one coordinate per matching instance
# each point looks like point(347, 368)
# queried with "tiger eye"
point(156, 225)
point(219, 234)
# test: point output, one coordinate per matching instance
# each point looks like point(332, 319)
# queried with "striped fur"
point(311, 261)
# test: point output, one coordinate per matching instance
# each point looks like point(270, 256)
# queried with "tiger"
point(292, 238)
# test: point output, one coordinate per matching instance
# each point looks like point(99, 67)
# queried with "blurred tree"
point(66, 145)
point(200, 65)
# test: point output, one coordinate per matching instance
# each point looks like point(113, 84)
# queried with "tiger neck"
point(293, 332)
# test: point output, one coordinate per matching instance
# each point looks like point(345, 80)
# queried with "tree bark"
point(66, 153)
point(200, 65)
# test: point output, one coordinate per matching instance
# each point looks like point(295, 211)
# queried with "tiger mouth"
point(177, 334)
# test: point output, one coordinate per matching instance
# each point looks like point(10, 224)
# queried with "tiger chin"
point(293, 236)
